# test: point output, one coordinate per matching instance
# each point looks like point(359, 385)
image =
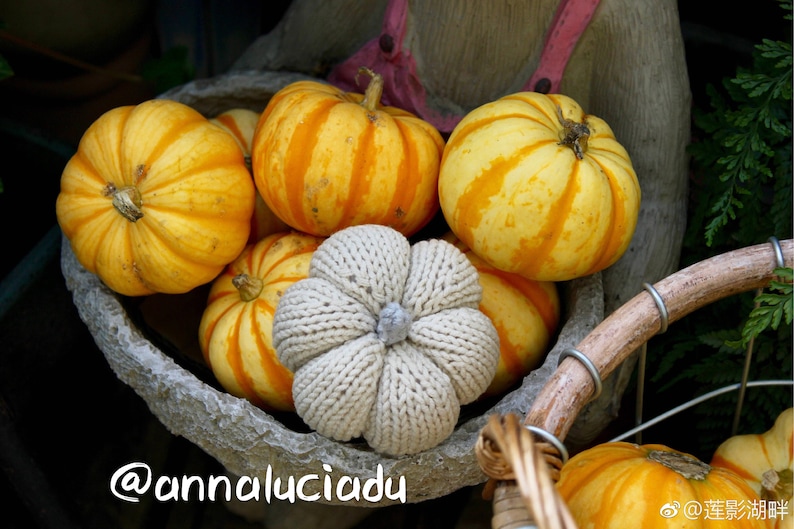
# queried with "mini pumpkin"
point(156, 199)
point(620, 485)
point(385, 339)
point(325, 159)
point(235, 329)
point(536, 187)
point(765, 461)
point(526, 315)
point(241, 124)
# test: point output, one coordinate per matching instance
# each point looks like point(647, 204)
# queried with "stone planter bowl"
point(250, 442)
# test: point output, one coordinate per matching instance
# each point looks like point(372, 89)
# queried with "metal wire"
point(698, 400)
point(664, 318)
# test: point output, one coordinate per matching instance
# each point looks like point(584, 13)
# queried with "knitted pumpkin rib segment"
point(463, 343)
point(371, 264)
point(334, 392)
point(314, 316)
point(440, 277)
point(416, 407)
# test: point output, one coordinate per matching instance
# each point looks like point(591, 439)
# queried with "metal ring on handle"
point(551, 439)
point(657, 298)
point(781, 263)
point(598, 386)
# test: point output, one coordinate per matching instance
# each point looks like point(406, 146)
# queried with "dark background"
point(66, 422)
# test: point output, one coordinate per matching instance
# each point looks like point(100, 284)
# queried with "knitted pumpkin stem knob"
point(394, 322)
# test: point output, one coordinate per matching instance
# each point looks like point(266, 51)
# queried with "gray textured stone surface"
point(247, 440)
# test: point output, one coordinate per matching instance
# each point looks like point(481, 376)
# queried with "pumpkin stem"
point(576, 134)
point(374, 90)
point(249, 287)
point(685, 465)
point(777, 485)
point(127, 201)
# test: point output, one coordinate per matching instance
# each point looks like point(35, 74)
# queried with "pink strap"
point(570, 21)
point(385, 55)
point(401, 84)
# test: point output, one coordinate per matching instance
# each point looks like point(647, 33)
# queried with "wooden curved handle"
point(570, 387)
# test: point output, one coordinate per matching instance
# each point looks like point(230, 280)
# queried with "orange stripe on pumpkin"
point(298, 158)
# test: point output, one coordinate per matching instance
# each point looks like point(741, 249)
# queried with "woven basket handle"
point(556, 407)
point(638, 320)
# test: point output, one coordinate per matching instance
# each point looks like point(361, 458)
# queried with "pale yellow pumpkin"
point(535, 186)
point(765, 461)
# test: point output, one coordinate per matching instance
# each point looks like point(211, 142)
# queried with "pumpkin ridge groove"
point(165, 139)
point(360, 173)
point(214, 322)
point(536, 295)
point(617, 224)
point(405, 188)
point(281, 385)
point(554, 224)
point(235, 360)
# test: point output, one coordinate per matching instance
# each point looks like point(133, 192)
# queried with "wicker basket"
point(523, 456)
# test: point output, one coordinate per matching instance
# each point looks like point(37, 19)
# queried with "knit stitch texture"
point(385, 340)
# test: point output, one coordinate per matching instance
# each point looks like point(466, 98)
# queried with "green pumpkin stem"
point(249, 287)
point(374, 90)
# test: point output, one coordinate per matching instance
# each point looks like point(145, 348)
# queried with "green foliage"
point(740, 195)
point(771, 308)
point(743, 188)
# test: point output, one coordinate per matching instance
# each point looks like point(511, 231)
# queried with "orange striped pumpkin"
point(156, 199)
point(235, 332)
point(536, 187)
point(619, 485)
point(241, 124)
point(324, 159)
point(525, 313)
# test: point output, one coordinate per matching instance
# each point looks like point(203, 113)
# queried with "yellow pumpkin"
point(235, 332)
point(764, 461)
point(324, 159)
point(621, 485)
point(536, 187)
point(241, 124)
point(524, 312)
point(156, 199)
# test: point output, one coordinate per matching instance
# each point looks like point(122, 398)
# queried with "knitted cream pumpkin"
point(385, 339)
